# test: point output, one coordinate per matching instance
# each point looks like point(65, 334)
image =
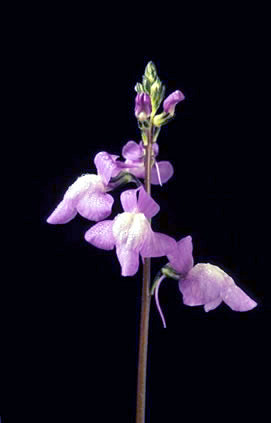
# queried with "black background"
point(78, 71)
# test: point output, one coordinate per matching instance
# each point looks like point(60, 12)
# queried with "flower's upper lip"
point(105, 164)
point(140, 199)
point(181, 259)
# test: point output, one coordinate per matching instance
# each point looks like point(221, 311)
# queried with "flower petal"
point(106, 165)
point(237, 300)
point(213, 304)
point(83, 183)
point(166, 171)
point(101, 235)
point(129, 260)
point(181, 259)
point(155, 149)
point(136, 168)
point(171, 101)
point(132, 151)
point(95, 206)
point(128, 200)
point(157, 245)
point(203, 284)
point(146, 204)
point(64, 213)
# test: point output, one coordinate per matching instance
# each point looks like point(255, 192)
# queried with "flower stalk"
point(145, 307)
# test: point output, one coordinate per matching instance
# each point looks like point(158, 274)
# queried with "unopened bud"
point(155, 88)
point(150, 72)
point(157, 94)
point(171, 101)
point(143, 106)
point(162, 119)
point(138, 88)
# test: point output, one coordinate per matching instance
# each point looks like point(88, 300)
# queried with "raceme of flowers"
point(130, 232)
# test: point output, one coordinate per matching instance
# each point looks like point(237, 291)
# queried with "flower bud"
point(155, 88)
point(151, 72)
point(143, 106)
point(162, 119)
point(138, 88)
point(171, 101)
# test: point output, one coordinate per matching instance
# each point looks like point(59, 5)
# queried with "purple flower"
point(134, 159)
point(130, 232)
point(87, 195)
point(171, 101)
point(143, 107)
point(203, 284)
point(206, 284)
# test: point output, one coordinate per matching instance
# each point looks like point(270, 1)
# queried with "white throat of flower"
point(131, 229)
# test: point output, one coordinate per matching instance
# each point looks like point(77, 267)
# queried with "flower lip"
point(181, 259)
point(86, 196)
point(208, 285)
point(106, 165)
point(135, 152)
point(138, 199)
point(132, 151)
point(131, 229)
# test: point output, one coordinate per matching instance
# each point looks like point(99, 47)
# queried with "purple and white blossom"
point(131, 233)
point(88, 194)
point(206, 284)
point(171, 101)
point(143, 106)
point(203, 284)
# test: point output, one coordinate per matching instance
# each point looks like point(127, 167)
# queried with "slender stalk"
point(145, 308)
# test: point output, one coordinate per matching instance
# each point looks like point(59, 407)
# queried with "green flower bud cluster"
point(151, 85)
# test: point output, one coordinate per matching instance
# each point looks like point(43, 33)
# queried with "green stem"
point(145, 307)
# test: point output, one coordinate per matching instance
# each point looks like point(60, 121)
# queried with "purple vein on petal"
point(157, 299)
point(158, 172)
